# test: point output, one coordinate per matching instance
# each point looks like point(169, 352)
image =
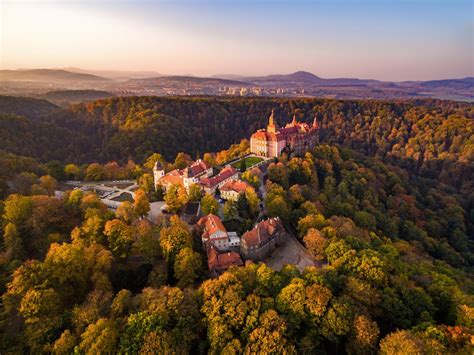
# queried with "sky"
point(373, 39)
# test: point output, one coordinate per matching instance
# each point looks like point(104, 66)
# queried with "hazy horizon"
point(383, 40)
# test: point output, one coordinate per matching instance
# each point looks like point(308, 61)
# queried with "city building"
point(297, 137)
point(232, 189)
point(260, 241)
point(184, 177)
point(210, 184)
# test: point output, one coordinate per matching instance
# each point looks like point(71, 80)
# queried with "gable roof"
point(212, 224)
point(263, 231)
point(235, 185)
point(225, 173)
point(221, 262)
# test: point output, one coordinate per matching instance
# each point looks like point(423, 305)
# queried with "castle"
point(298, 137)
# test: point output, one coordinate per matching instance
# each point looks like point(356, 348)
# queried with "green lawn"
point(249, 162)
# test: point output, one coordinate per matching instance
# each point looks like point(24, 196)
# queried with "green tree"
point(195, 193)
point(277, 207)
point(72, 171)
point(243, 165)
point(182, 160)
point(95, 172)
point(314, 220)
point(43, 317)
point(152, 159)
point(147, 183)
point(119, 236)
point(12, 242)
point(100, 338)
point(230, 210)
point(174, 238)
point(187, 267)
point(253, 202)
point(209, 205)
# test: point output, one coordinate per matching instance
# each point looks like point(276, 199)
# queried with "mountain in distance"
point(116, 74)
point(47, 75)
point(462, 84)
point(228, 76)
point(307, 78)
point(299, 76)
point(182, 79)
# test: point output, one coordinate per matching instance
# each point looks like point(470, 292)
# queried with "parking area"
point(290, 253)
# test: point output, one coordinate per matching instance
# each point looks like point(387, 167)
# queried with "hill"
point(46, 75)
point(299, 76)
point(426, 137)
point(24, 106)
point(187, 80)
point(382, 204)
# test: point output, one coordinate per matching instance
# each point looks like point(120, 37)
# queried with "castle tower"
point(315, 123)
point(272, 127)
point(158, 172)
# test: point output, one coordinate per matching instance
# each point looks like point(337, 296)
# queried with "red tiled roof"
point(198, 167)
point(172, 178)
point(212, 224)
point(267, 136)
point(263, 231)
point(225, 173)
point(221, 262)
point(235, 185)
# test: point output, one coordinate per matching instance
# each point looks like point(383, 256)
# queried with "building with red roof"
point(214, 232)
point(218, 262)
point(184, 177)
point(297, 136)
point(217, 242)
point(210, 184)
point(232, 189)
point(260, 241)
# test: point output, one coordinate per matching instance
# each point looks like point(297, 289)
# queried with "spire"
point(315, 123)
point(271, 119)
point(272, 127)
point(157, 166)
point(293, 123)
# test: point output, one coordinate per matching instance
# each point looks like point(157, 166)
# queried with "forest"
point(384, 203)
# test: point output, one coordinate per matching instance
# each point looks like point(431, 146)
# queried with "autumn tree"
point(141, 203)
point(126, 212)
point(209, 205)
point(174, 238)
point(315, 243)
point(195, 193)
point(48, 183)
point(187, 267)
point(120, 237)
point(176, 198)
point(182, 160)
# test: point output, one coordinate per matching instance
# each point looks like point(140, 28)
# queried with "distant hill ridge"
point(53, 75)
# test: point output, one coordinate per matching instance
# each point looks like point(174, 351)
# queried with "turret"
point(315, 123)
point(158, 172)
point(272, 127)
